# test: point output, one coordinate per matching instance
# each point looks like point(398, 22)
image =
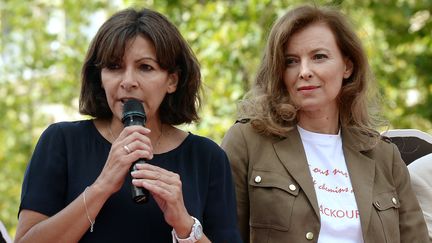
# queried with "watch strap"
point(192, 236)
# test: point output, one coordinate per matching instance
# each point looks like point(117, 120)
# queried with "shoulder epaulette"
point(386, 139)
point(244, 120)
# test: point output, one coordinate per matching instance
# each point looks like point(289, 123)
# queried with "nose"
point(305, 71)
point(128, 80)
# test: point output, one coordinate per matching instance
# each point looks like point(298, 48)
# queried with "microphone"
point(134, 114)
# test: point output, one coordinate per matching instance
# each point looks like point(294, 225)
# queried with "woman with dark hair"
point(77, 186)
point(307, 163)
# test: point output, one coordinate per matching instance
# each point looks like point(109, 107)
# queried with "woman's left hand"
point(166, 188)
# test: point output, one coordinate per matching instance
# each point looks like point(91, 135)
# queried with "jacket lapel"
point(291, 153)
point(362, 172)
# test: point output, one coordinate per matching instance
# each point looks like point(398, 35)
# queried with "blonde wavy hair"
point(268, 104)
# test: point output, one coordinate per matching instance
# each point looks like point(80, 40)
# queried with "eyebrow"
point(147, 58)
point(312, 51)
point(320, 49)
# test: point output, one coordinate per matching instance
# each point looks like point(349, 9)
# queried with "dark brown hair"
point(268, 104)
point(172, 52)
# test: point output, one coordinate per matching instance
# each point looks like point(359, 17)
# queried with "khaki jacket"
point(276, 199)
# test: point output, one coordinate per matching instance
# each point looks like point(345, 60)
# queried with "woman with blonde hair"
point(307, 163)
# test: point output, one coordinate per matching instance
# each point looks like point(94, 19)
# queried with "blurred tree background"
point(43, 43)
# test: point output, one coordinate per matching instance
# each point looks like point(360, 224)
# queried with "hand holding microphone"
point(168, 191)
point(134, 114)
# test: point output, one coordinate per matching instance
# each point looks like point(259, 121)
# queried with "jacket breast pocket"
point(272, 197)
point(387, 207)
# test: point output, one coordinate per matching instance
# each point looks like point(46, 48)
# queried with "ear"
point(172, 82)
point(349, 66)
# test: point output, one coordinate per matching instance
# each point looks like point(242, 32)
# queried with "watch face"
point(198, 232)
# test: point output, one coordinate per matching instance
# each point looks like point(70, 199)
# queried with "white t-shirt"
point(4, 234)
point(340, 219)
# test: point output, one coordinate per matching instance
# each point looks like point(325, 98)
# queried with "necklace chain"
point(159, 138)
point(112, 135)
point(157, 141)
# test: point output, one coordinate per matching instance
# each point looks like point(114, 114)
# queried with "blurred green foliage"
point(43, 43)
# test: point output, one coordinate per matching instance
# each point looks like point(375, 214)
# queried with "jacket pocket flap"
point(387, 200)
point(262, 178)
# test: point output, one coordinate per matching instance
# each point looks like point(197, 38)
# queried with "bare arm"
point(36, 227)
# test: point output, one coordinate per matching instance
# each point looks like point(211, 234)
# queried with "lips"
point(310, 87)
point(123, 100)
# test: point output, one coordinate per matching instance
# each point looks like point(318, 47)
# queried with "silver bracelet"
point(92, 222)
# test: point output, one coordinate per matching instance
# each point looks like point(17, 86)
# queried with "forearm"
point(68, 225)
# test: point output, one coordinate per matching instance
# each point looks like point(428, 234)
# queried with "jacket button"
point(292, 187)
point(258, 179)
point(394, 201)
point(309, 236)
point(377, 204)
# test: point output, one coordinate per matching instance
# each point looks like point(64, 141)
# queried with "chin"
point(310, 107)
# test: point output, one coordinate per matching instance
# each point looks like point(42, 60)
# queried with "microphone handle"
point(139, 194)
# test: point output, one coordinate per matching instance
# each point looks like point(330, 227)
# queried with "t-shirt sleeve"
point(44, 185)
point(220, 211)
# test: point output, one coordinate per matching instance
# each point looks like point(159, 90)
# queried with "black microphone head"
point(133, 113)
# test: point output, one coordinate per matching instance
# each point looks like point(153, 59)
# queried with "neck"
point(326, 123)
point(112, 131)
point(157, 130)
point(156, 139)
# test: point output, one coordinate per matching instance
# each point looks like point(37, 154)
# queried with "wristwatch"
point(195, 234)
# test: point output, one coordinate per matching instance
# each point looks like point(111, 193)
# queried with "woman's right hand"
point(132, 144)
